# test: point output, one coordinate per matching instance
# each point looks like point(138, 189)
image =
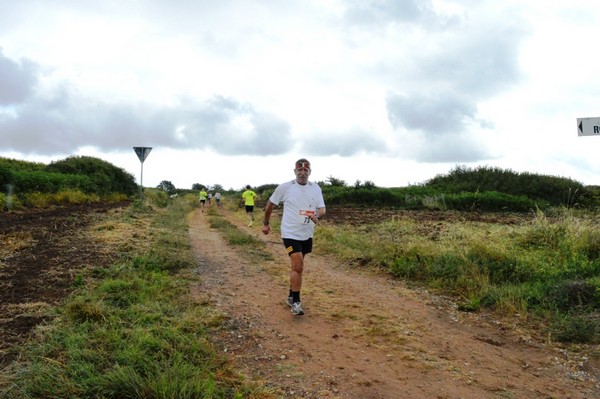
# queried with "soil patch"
point(41, 253)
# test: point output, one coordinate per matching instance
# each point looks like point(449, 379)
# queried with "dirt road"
point(366, 336)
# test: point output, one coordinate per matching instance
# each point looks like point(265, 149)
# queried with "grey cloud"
point(467, 62)
point(344, 144)
point(17, 80)
point(213, 125)
point(454, 148)
point(442, 121)
point(433, 115)
point(273, 134)
point(375, 12)
point(480, 63)
point(43, 127)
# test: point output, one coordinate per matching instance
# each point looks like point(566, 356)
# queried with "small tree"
point(333, 181)
point(369, 184)
point(167, 186)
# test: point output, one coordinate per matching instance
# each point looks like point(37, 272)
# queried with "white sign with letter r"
point(588, 126)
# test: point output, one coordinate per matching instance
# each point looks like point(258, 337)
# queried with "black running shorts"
point(293, 246)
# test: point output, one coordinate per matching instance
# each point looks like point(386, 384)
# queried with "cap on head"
point(302, 163)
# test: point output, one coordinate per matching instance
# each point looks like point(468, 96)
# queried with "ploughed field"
point(42, 253)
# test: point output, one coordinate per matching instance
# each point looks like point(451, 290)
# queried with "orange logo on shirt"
point(306, 213)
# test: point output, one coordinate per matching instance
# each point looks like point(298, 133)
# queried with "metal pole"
point(142, 184)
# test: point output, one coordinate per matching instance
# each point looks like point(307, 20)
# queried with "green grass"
point(45, 200)
point(252, 247)
point(131, 330)
point(547, 268)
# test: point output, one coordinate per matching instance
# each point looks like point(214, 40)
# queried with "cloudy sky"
point(232, 92)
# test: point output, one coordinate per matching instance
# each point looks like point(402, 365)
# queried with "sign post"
point(142, 153)
point(588, 126)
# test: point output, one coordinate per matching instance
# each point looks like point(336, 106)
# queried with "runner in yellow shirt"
point(249, 196)
point(202, 196)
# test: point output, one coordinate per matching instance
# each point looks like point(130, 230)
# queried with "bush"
point(555, 190)
point(588, 242)
point(377, 197)
point(37, 181)
point(6, 178)
point(9, 202)
point(44, 200)
point(543, 234)
point(74, 197)
point(498, 264)
point(510, 298)
point(37, 200)
point(157, 197)
point(419, 197)
point(490, 201)
point(568, 295)
point(576, 329)
point(105, 177)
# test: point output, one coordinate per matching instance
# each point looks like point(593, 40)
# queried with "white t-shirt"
point(299, 203)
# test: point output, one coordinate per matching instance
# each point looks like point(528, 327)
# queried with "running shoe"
point(297, 309)
point(289, 301)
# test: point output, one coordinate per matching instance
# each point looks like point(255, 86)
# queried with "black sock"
point(290, 294)
point(295, 296)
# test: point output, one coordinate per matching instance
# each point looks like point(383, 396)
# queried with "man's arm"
point(321, 212)
point(268, 210)
point(318, 215)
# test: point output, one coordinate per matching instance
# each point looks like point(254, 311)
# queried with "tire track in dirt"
point(363, 335)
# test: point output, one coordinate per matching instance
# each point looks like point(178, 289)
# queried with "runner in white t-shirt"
point(303, 206)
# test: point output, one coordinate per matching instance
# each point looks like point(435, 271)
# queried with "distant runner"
point(203, 197)
point(249, 196)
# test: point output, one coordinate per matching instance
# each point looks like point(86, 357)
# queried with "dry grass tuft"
point(120, 234)
point(31, 309)
point(14, 242)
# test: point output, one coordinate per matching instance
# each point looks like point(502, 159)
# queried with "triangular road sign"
point(142, 152)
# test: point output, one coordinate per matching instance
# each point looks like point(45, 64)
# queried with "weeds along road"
point(365, 335)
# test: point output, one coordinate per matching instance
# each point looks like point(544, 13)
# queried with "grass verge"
point(547, 268)
point(252, 247)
